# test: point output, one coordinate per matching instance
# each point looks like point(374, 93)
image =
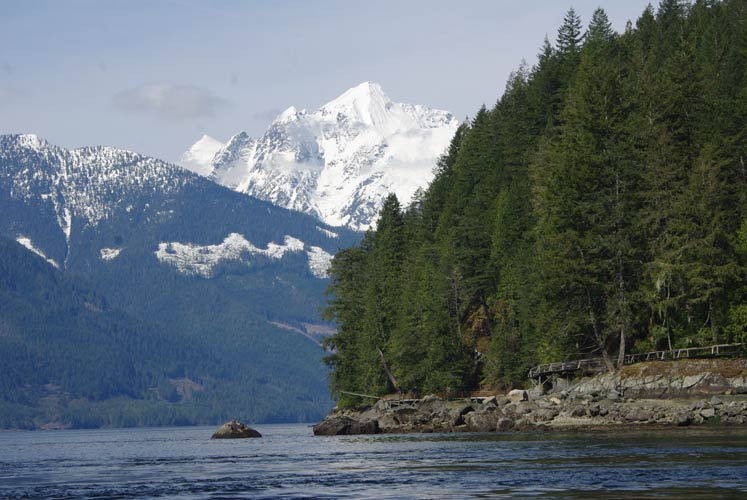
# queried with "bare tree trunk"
point(621, 300)
point(388, 371)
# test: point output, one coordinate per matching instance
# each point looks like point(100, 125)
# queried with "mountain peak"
point(366, 103)
point(365, 90)
point(340, 161)
point(289, 115)
point(201, 154)
point(29, 141)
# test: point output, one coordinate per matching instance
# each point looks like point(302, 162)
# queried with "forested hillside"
point(597, 209)
point(72, 358)
point(155, 297)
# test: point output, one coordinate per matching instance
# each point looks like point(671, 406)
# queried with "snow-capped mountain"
point(88, 187)
point(338, 162)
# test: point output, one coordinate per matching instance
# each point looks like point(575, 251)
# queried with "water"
point(288, 462)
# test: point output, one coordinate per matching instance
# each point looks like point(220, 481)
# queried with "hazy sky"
point(153, 76)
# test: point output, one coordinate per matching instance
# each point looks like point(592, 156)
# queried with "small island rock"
point(235, 430)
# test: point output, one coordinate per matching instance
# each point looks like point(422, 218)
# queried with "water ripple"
point(288, 463)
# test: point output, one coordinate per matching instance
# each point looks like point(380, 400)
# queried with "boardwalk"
point(594, 365)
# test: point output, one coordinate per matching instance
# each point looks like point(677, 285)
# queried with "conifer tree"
point(598, 208)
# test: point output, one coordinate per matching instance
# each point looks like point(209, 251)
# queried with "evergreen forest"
point(597, 209)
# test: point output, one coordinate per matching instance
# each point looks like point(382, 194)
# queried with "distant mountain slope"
point(337, 163)
point(210, 271)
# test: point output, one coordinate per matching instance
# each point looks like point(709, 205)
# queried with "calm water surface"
point(289, 462)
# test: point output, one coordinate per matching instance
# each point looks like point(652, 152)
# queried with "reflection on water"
point(289, 463)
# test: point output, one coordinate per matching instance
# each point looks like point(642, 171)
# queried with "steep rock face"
point(339, 162)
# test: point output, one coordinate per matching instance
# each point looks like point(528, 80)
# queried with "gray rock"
point(524, 408)
point(492, 400)
point(578, 411)
point(638, 415)
point(339, 425)
point(716, 401)
point(335, 425)
point(707, 413)
point(682, 419)
point(480, 421)
point(518, 395)
point(364, 427)
point(235, 430)
point(504, 424)
point(545, 415)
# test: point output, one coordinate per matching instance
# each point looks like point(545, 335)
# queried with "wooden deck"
point(594, 365)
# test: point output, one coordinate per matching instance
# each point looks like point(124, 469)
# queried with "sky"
point(153, 76)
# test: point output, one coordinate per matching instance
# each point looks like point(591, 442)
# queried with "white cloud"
point(170, 101)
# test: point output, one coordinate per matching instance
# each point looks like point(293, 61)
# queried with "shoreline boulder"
point(341, 425)
point(235, 430)
point(518, 395)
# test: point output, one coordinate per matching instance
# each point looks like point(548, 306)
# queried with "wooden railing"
point(597, 364)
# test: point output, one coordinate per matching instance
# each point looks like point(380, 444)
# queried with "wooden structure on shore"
point(541, 373)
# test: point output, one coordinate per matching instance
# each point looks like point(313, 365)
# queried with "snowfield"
point(201, 260)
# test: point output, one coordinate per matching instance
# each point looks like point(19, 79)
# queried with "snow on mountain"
point(339, 162)
point(80, 183)
point(26, 242)
point(109, 253)
point(327, 232)
point(201, 260)
point(319, 262)
point(86, 188)
point(200, 156)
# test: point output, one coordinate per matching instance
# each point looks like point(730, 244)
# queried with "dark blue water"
point(288, 462)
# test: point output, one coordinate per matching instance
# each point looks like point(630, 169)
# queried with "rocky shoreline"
point(674, 394)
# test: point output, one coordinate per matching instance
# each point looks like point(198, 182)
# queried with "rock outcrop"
point(589, 411)
point(671, 379)
point(675, 394)
point(235, 430)
point(340, 425)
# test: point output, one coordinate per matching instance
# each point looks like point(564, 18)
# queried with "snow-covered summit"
point(201, 154)
point(338, 162)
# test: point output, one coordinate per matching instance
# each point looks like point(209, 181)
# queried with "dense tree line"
point(597, 209)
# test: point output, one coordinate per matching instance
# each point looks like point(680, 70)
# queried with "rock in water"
point(235, 430)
